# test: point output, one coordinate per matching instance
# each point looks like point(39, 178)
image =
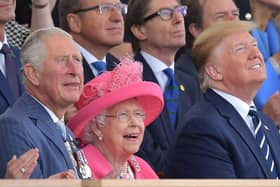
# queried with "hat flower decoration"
point(112, 87)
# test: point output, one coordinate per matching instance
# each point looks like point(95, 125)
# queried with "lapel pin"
point(182, 87)
point(266, 127)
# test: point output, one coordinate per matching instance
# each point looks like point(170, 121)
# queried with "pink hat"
point(112, 87)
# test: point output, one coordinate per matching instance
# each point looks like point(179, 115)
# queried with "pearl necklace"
point(126, 172)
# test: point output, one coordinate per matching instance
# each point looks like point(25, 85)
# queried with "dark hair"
point(194, 16)
point(135, 17)
point(64, 8)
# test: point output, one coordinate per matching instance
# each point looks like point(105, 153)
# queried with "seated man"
point(223, 136)
point(53, 77)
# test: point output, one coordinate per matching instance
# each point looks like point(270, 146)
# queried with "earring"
point(100, 138)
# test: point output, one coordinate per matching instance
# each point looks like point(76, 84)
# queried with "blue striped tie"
point(261, 140)
point(100, 66)
point(171, 95)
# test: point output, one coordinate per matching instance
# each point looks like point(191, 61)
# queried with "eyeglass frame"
point(172, 10)
point(138, 114)
point(122, 6)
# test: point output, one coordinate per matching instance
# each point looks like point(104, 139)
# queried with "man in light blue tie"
point(223, 135)
point(96, 26)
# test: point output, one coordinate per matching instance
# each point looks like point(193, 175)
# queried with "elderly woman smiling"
point(114, 109)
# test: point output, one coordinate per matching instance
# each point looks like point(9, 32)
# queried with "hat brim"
point(148, 94)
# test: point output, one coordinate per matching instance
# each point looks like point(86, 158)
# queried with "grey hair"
point(88, 135)
point(34, 50)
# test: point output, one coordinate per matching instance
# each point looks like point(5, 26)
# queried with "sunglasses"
point(105, 7)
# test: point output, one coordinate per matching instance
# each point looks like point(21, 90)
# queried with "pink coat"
point(100, 166)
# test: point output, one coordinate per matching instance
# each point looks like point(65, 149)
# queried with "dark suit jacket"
point(111, 62)
point(215, 142)
point(159, 136)
point(185, 64)
point(28, 125)
point(7, 98)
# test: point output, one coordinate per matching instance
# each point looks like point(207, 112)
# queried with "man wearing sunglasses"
point(156, 30)
point(96, 26)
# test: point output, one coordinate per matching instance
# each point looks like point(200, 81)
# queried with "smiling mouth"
point(131, 136)
point(255, 66)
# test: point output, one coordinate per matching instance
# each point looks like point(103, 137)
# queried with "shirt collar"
point(155, 64)
point(4, 42)
point(239, 105)
point(51, 113)
point(90, 58)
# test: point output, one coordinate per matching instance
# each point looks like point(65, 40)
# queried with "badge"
point(85, 171)
point(182, 87)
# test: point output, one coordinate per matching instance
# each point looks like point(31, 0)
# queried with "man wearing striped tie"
point(224, 136)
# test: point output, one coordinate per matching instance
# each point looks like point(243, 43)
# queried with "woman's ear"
point(97, 130)
point(74, 23)
point(32, 74)
point(139, 31)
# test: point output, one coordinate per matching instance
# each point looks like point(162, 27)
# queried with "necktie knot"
point(6, 50)
point(62, 128)
point(100, 66)
point(254, 115)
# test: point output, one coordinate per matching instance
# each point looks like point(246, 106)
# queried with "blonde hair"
point(209, 40)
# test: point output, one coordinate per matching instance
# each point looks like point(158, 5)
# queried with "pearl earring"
point(100, 138)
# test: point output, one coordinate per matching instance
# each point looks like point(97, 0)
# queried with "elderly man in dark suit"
point(53, 77)
point(223, 136)
point(157, 31)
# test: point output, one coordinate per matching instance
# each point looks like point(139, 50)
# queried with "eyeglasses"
point(105, 7)
point(125, 116)
point(167, 13)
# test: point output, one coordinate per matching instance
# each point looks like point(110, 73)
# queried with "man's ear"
point(139, 31)
point(32, 74)
point(74, 23)
point(213, 72)
point(194, 29)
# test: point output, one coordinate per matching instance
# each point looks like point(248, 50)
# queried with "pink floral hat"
point(112, 87)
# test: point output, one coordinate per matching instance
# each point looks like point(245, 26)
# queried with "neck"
point(117, 160)
point(167, 56)
point(246, 94)
point(57, 110)
point(99, 51)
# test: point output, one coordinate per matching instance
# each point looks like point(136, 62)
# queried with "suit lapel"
point(238, 124)
point(273, 141)
point(4, 88)
point(44, 123)
point(148, 75)
point(16, 56)
point(111, 62)
point(88, 75)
